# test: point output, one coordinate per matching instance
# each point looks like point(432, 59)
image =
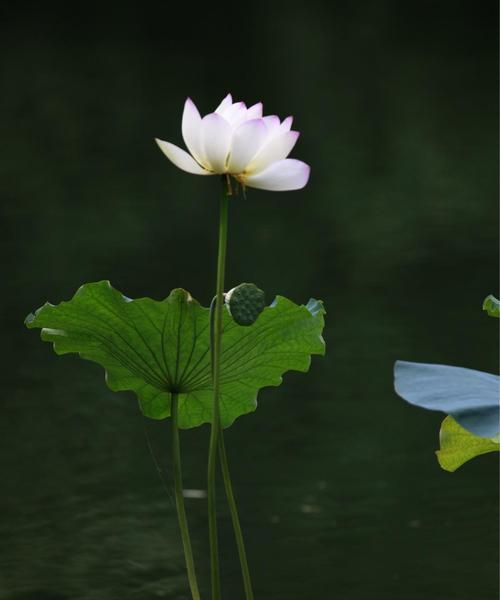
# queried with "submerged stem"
point(179, 500)
point(216, 347)
point(245, 572)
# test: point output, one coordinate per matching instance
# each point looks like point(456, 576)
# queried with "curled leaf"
point(457, 445)
point(492, 306)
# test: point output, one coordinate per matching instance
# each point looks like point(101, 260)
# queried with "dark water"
point(340, 493)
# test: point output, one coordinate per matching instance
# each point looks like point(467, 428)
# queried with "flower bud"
point(245, 302)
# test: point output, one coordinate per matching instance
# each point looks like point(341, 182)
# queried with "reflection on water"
point(339, 491)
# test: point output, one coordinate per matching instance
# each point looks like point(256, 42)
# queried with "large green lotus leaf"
point(492, 306)
point(156, 348)
point(459, 445)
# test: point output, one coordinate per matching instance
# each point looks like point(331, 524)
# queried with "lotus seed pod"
point(245, 302)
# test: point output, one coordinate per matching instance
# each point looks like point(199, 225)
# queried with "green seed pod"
point(245, 302)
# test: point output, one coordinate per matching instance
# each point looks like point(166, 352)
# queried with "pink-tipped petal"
point(246, 142)
point(181, 159)
point(254, 112)
point(272, 122)
point(235, 114)
point(216, 136)
point(288, 174)
point(277, 148)
point(191, 124)
point(228, 100)
point(287, 124)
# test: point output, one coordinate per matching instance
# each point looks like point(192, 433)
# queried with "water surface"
point(340, 493)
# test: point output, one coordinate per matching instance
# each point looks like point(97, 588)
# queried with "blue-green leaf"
point(471, 397)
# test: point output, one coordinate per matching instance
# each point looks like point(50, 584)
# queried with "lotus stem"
point(214, 432)
point(247, 583)
point(238, 534)
point(179, 500)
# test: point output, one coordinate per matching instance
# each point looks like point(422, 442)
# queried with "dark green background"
point(340, 493)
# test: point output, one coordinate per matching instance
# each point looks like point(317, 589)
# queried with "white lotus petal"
point(235, 114)
point(225, 107)
point(272, 122)
point(228, 100)
point(181, 158)
point(191, 124)
point(246, 142)
point(287, 124)
point(276, 148)
point(254, 112)
point(288, 174)
point(216, 136)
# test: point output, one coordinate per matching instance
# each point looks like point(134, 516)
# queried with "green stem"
point(212, 450)
point(247, 582)
point(179, 500)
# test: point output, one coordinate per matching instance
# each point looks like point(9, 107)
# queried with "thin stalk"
point(245, 572)
point(179, 500)
point(214, 432)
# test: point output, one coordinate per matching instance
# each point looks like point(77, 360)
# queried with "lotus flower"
point(239, 141)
